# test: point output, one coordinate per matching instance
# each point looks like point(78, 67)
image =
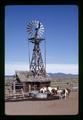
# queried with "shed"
point(30, 82)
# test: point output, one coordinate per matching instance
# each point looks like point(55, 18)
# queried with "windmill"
point(35, 30)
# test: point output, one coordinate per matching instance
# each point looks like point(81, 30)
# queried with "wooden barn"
point(29, 82)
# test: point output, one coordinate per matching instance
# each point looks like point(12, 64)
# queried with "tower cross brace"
point(36, 64)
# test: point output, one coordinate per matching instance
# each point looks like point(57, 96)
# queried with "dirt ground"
point(69, 106)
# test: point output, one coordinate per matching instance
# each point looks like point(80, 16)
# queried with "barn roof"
point(27, 76)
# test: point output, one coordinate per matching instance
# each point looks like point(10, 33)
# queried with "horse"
point(55, 91)
point(63, 92)
point(68, 91)
point(43, 90)
point(51, 89)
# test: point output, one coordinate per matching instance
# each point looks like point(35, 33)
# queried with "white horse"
point(63, 93)
point(43, 90)
point(51, 89)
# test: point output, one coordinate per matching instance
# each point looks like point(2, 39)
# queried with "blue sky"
point(61, 34)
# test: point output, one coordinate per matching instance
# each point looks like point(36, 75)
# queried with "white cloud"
point(10, 68)
point(64, 68)
point(53, 68)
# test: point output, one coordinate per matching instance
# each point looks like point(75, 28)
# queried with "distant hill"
point(9, 77)
point(62, 75)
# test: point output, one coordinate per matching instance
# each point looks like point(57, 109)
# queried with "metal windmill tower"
point(35, 30)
